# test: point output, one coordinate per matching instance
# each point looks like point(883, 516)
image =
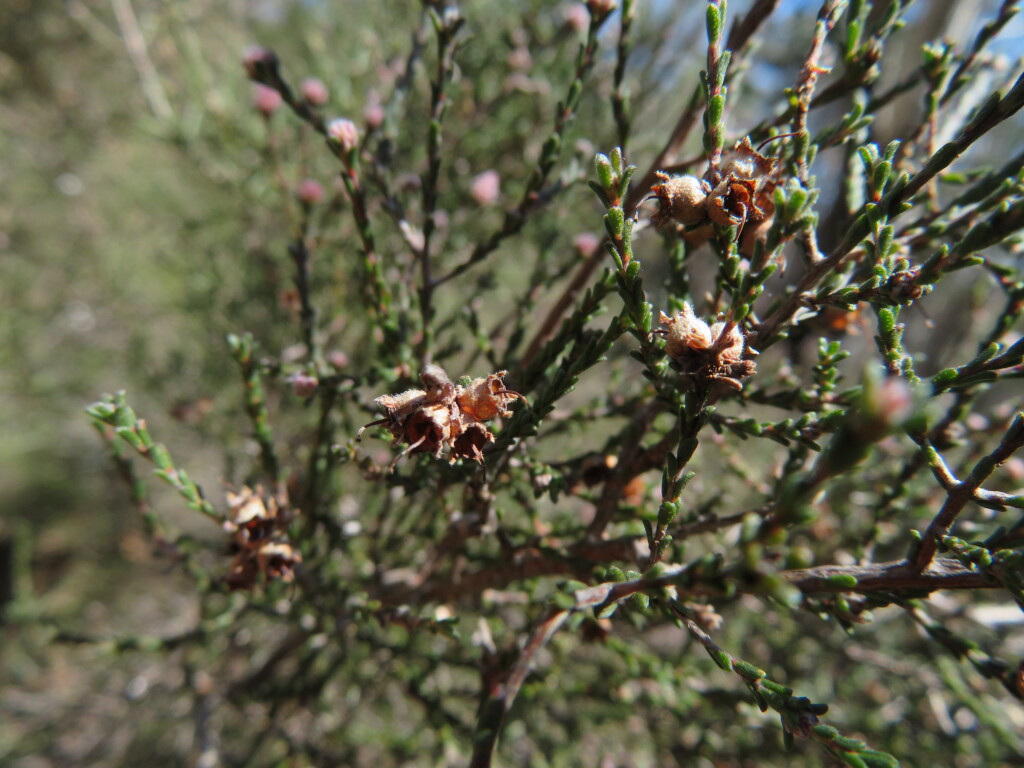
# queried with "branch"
point(501, 696)
point(138, 51)
point(897, 575)
point(965, 491)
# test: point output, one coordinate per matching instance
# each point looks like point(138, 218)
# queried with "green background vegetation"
point(144, 215)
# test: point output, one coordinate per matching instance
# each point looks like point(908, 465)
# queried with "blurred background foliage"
point(144, 216)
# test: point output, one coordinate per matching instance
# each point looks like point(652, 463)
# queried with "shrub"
point(517, 450)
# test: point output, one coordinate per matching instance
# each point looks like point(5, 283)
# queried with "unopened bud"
point(309, 192)
point(266, 100)
point(577, 18)
point(601, 8)
point(891, 403)
point(314, 91)
point(486, 187)
point(337, 358)
point(344, 134)
point(586, 243)
point(260, 64)
point(373, 115)
point(303, 385)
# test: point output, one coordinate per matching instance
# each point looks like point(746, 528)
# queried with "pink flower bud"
point(577, 17)
point(373, 115)
point(486, 187)
point(343, 133)
point(314, 91)
point(260, 64)
point(303, 385)
point(586, 243)
point(309, 192)
point(895, 400)
point(266, 100)
point(337, 358)
point(601, 7)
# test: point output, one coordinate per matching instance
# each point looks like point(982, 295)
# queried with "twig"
point(138, 51)
point(715, 89)
point(620, 97)
point(827, 18)
point(447, 28)
point(501, 696)
point(964, 491)
point(895, 576)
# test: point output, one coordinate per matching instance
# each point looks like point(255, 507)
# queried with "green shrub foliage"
point(618, 383)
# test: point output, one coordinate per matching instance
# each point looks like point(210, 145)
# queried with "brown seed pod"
point(735, 192)
point(685, 333)
point(745, 162)
point(709, 353)
point(439, 386)
point(483, 399)
point(470, 444)
point(680, 199)
point(402, 404)
point(258, 526)
point(429, 429)
point(732, 203)
point(277, 560)
point(243, 571)
point(251, 518)
point(742, 186)
point(446, 416)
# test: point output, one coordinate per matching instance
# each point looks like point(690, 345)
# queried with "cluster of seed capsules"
point(444, 416)
point(736, 192)
point(258, 527)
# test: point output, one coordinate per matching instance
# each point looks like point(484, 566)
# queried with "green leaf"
point(605, 175)
point(843, 580)
point(886, 321)
point(713, 21)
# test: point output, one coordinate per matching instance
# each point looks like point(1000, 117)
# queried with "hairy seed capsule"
point(681, 199)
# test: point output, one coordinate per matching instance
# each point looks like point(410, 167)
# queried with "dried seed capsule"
point(680, 199)
point(483, 399)
point(741, 194)
point(745, 162)
point(444, 415)
point(429, 429)
point(470, 444)
point(251, 519)
point(278, 560)
point(709, 353)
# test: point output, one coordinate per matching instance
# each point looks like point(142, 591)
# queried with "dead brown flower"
point(470, 444)
point(251, 518)
point(708, 353)
point(736, 192)
point(483, 399)
point(742, 187)
point(444, 415)
point(680, 199)
point(258, 525)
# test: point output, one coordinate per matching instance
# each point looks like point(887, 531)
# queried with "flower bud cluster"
point(445, 416)
point(258, 530)
point(708, 353)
